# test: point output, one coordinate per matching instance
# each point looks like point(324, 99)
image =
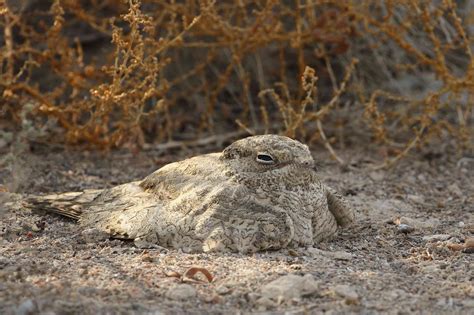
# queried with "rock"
point(436, 237)
point(422, 178)
point(222, 290)
point(379, 193)
point(181, 292)
point(377, 175)
point(347, 292)
point(340, 255)
point(26, 308)
point(431, 269)
point(461, 224)
point(405, 228)
point(35, 227)
point(289, 287)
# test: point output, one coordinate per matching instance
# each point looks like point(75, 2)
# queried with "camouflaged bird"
point(260, 193)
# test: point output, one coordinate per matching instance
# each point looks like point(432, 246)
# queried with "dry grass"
point(122, 73)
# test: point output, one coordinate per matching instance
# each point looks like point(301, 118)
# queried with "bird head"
point(267, 153)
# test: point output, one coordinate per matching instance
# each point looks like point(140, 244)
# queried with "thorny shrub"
point(114, 73)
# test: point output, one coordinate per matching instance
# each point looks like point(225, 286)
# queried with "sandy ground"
point(409, 252)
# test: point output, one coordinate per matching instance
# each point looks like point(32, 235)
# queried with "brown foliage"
point(114, 73)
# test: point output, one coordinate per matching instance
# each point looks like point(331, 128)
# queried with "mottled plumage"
point(260, 193)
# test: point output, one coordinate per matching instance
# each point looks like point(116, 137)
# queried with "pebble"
point(461, 224)
point(26, 308)
point(405, 228)
point(222, 290)
point(181, 292)
point(347, 292)
point(417, 224)
point(289, 287)
point(377, 175)
point(422, 178)
point(436, 237)
point(35, 227)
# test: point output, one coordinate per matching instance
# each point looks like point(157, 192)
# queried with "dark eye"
point(265, 158)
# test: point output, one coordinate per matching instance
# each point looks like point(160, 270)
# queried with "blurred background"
point(395, 75)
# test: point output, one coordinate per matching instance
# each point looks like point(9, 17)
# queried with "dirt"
point(410, 250)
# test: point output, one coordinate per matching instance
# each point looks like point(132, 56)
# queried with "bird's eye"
point(265, 158)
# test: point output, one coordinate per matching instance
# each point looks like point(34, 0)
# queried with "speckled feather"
point(229, 201)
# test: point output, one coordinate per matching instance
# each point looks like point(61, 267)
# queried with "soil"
point(410, 250)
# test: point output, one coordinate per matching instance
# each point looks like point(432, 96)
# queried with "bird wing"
point(121, 211)
point(130, 210)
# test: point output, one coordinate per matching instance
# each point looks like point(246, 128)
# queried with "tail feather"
point(70, 204)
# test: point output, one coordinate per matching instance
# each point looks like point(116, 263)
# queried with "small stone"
point(422, 178)
point(377, 175)
point(289, 287)
point(222, 290)
point(431, 269)
point(461, 224)
point(405, 228)
point(417, 224)
point(26, 308)
point(181, 292)
point(347, 292)
point(379, 193)
point(35, 228)
point(436, 238)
